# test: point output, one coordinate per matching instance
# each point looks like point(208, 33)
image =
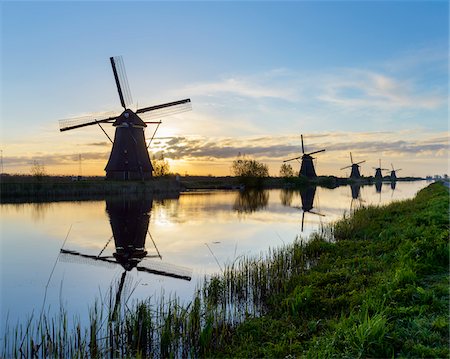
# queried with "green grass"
point(375, 284)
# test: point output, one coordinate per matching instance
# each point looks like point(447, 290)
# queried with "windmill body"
point(355, 171)
point(378, 174)
point(393, 176)
point(307, 166)
point(129, 158)
point(354, 174)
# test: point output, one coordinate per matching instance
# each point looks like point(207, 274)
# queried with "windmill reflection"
point(356, 195)
point(307, 195)
point(378, 186)
point(129, 219)
point(251, 200)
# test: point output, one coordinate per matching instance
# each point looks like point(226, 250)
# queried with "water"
point(191, 236)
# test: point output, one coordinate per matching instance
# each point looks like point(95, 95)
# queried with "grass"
point(375, 284)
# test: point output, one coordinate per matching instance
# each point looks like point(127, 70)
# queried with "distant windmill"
point(307, 166)
point(355, 168)
point(393, 173)
point(378, 174)
point(129, 158)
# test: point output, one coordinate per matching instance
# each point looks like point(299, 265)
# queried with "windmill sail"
point(153, 267)
point(121, 81)
point(129, 158)
point(82, 121)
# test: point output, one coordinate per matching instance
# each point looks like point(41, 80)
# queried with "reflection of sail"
point(129, 218)
point(251, 200)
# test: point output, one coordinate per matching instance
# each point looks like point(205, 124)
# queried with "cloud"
point(282, 147)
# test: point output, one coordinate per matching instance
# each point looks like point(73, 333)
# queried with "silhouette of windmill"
point(378, 174)
point(129, 158)
point(307, 166)
point(129, 219)
point(355, 174)
point(393, 173)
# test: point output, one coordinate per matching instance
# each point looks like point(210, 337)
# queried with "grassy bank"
point(380, 288)
point(375, 284)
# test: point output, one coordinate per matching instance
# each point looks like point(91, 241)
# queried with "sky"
point(366, 77)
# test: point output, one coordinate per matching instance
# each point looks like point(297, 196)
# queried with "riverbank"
point(380, 288)
point(374, 284)
point(21, 189)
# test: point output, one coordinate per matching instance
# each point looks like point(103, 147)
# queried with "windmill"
point(355, 168)
point(129, 158)
point(129, 219)
point(307, 166)
point(393, 173)
point(378, 174)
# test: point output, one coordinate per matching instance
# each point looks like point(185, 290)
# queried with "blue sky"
point(366, 77)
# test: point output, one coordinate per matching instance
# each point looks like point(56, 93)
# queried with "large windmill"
point(378, 174)
point(393, 173)
point(355, 174)
point(129, 158)
point(307, 165)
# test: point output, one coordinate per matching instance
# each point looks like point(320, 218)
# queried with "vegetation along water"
point(374, 284)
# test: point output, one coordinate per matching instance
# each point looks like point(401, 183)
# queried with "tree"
point(250, 172)
point(161, 166)
point(38, 170)
point(286, 170)
point(249, 168)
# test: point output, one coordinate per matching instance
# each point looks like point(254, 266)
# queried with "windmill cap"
point(130, 118)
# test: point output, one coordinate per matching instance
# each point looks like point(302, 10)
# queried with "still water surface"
point(194, 235)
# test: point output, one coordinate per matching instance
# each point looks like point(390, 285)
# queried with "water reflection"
point(129, 218)
point(393, 184)
point(307, 195)
point(378, 185)
point(251, 200)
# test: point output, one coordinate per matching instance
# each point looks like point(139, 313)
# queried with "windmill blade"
point(303, 148)
point(311, 153)
point(351, 158)
point(292, 159)
point(121, 81)
point(158, 268)
point(165, 109)
point(398, 170)
point(317, 213)
point(392, 167)
point(166, 270)
point(343, 168)
point(77, 257)
point(358, 163)
point(83, 121)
